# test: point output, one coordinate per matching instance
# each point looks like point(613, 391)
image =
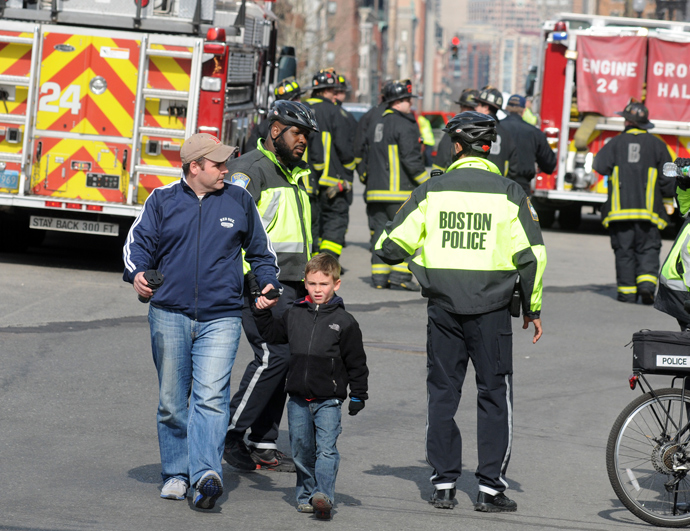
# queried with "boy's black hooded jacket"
point(326, 351)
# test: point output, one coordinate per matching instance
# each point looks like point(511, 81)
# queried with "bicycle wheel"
point(645, 464)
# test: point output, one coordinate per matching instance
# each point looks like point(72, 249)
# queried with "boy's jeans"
point(193, 360)
point(314, 429)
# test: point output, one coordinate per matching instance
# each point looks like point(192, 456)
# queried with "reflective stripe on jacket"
point(633, 161)
point(394, 160)
point(330, 152)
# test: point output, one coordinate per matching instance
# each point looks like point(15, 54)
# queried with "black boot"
point(443, 498)
point(494, 504)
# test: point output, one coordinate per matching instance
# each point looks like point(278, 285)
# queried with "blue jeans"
point(193, 360)
point(314, 429)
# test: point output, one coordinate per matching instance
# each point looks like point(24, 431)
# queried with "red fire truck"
point(590, 68)
point(96, 98)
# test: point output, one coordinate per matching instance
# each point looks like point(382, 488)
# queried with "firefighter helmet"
point(325, 79)
point(636, 113)
point(398, 90)
point(288, 89)
point(343, 85)
point(472, 129)
point(467, 98)
point(295, 113)
point(491, 97)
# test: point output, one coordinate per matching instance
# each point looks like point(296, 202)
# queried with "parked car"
point(356, 109)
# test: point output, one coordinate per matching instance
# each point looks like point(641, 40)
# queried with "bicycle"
point(648, 449)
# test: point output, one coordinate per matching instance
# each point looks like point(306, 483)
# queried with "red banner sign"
point(610, 71)
point(668, 80)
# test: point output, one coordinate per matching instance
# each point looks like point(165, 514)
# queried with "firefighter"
point(634, 212)
point(342, 90)
point(444, 152)
point(331, 159)
point(275, 176)
point(531, 143)
point(503, 152)
point(361, 134)
point(289, 90)
point(478, 235)
point(394, 168)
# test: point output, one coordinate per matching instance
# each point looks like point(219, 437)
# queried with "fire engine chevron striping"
point(167, 73)
point(72, 184)
point(65, 76)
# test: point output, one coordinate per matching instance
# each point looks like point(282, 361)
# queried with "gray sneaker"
point(305, 508)
point(174, 489)
point(208, 489)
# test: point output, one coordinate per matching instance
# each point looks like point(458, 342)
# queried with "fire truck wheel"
point(569, 218)
point(15, 234)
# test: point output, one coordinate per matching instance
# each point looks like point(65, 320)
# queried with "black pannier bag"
point(661, 352)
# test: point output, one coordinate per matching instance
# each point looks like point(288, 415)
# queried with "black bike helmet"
point(398, 90)
point(288, 89)
point(291, 113)
point(491, 97)
point(468, 98)
point(472, 129)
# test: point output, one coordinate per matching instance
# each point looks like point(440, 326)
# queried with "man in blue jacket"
point(193, 232)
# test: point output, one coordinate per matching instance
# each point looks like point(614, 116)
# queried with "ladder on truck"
point(30, 82)
point(145, 93)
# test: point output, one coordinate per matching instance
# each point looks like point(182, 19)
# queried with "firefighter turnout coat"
point(532, 147)
point(394, 159)
point(330, 152)
point(283, 204)
point(477, 232)
point(634, 162)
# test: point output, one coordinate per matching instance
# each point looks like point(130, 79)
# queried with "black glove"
point(355, 406)
point(342, 186)
point(682, 163)
point(682, 181)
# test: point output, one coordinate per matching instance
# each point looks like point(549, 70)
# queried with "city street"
point(78, 441)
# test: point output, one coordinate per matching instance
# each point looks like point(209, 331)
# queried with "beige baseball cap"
point(207, 146)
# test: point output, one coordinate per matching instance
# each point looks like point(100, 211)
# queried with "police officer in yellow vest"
point(478, 235)
point(274, 174)
point(634, 211)
point(674, 278)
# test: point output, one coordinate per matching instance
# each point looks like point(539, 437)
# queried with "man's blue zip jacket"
point(197, 244)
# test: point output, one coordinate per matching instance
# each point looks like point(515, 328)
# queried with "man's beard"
point(285, 154)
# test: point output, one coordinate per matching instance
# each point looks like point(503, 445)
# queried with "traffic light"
point(454, 45)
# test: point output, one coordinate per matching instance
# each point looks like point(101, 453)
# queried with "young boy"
point(326, 355)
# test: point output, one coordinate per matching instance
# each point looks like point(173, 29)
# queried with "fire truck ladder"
point(21, 81)
point(190, 96)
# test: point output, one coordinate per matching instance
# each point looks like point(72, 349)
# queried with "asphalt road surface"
point(78, 445)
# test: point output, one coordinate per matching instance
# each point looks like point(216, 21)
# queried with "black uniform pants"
point(636, 245)
point(452, 340)
point(379, 214)
point(259, 402)
point(335, 216)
